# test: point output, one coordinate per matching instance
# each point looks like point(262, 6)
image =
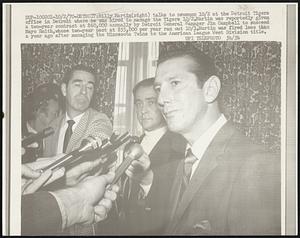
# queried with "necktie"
point(189, 160)
point(68, 134)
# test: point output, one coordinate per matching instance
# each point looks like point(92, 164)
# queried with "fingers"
point(56, 175)
point(44, 162)
point(33, 145)
point(109, 177)
point(110, 194)
point(100, 213)
point(37, 183)
point(82, 168)
point(28, 172)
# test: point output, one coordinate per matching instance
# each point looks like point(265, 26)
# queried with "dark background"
point(44, 63)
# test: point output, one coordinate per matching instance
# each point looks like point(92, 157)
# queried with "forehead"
point(145, 92)
point(53, 104)
point(174, 67)
point(82, 76)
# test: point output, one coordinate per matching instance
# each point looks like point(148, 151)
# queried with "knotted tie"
point(189, 160)
point(68, 134)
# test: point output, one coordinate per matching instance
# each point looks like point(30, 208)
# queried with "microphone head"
point(135, 150)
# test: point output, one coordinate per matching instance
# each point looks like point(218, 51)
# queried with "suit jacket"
point(92, 123)
point(235, 190)
point(147, 216)
point(40, 214)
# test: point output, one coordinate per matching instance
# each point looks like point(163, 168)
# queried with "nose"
point(144, 108)
point(164, 96)
point(83, 89)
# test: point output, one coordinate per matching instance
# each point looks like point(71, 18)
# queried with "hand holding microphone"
point(136, 165)
point(37, 137)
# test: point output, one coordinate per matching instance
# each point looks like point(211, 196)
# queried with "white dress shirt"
point(148, 142)
point(151, 138)
point(202, 143)
point(63, 130)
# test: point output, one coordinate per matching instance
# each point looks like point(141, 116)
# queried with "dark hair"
point(144, 83)
point(80, 67)
point(39, 99)
point(204, 65)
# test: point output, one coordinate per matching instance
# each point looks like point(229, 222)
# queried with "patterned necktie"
point(189, 160)
point(68, 134)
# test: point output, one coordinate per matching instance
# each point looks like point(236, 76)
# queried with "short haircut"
point(205, 67)
point(149, 82)
point(38, 100)
point(80, 67)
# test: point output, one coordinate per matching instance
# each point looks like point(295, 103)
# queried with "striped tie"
point(189, 160)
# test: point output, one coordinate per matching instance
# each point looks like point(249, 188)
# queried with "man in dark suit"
point(145, 208)
point(226, 185)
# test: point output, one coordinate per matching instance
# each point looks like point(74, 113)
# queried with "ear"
point(211, 89)
point(64, 89)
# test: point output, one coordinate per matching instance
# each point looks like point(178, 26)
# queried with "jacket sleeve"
point(40, 214)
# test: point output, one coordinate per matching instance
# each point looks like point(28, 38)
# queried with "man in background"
point(78, 122)
point(226, 185)
point(40, 108)
point(144, 206)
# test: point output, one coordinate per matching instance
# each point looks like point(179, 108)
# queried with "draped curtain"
point(137, 61)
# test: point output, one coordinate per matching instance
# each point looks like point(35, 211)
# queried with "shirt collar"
point(156, 132)
point(75, 119)
point(201, 144)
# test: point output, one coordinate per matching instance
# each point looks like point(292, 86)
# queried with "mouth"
point(146, 119)
point(170, 113)
point(81, 100)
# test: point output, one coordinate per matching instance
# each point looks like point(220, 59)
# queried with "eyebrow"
point(80, 80)
point(147, 99)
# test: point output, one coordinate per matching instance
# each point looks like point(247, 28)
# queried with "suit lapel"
point(207, 164)
point(160, 150)
point(174, 197)
point(79, 131)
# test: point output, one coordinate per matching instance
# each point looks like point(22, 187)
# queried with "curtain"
point(44, 63)
point(137, 61)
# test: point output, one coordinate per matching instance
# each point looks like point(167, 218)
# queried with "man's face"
point(148, 112)
point(52, 112)
point(47, 114)
point(180, 97)
point(79, 92)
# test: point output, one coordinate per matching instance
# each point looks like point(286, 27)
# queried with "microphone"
point(38, 136)
point(133, 152)
point(87, 144)
point(90, 143)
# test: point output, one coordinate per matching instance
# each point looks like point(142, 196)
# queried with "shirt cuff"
point(146, 189)
point(62, 210)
